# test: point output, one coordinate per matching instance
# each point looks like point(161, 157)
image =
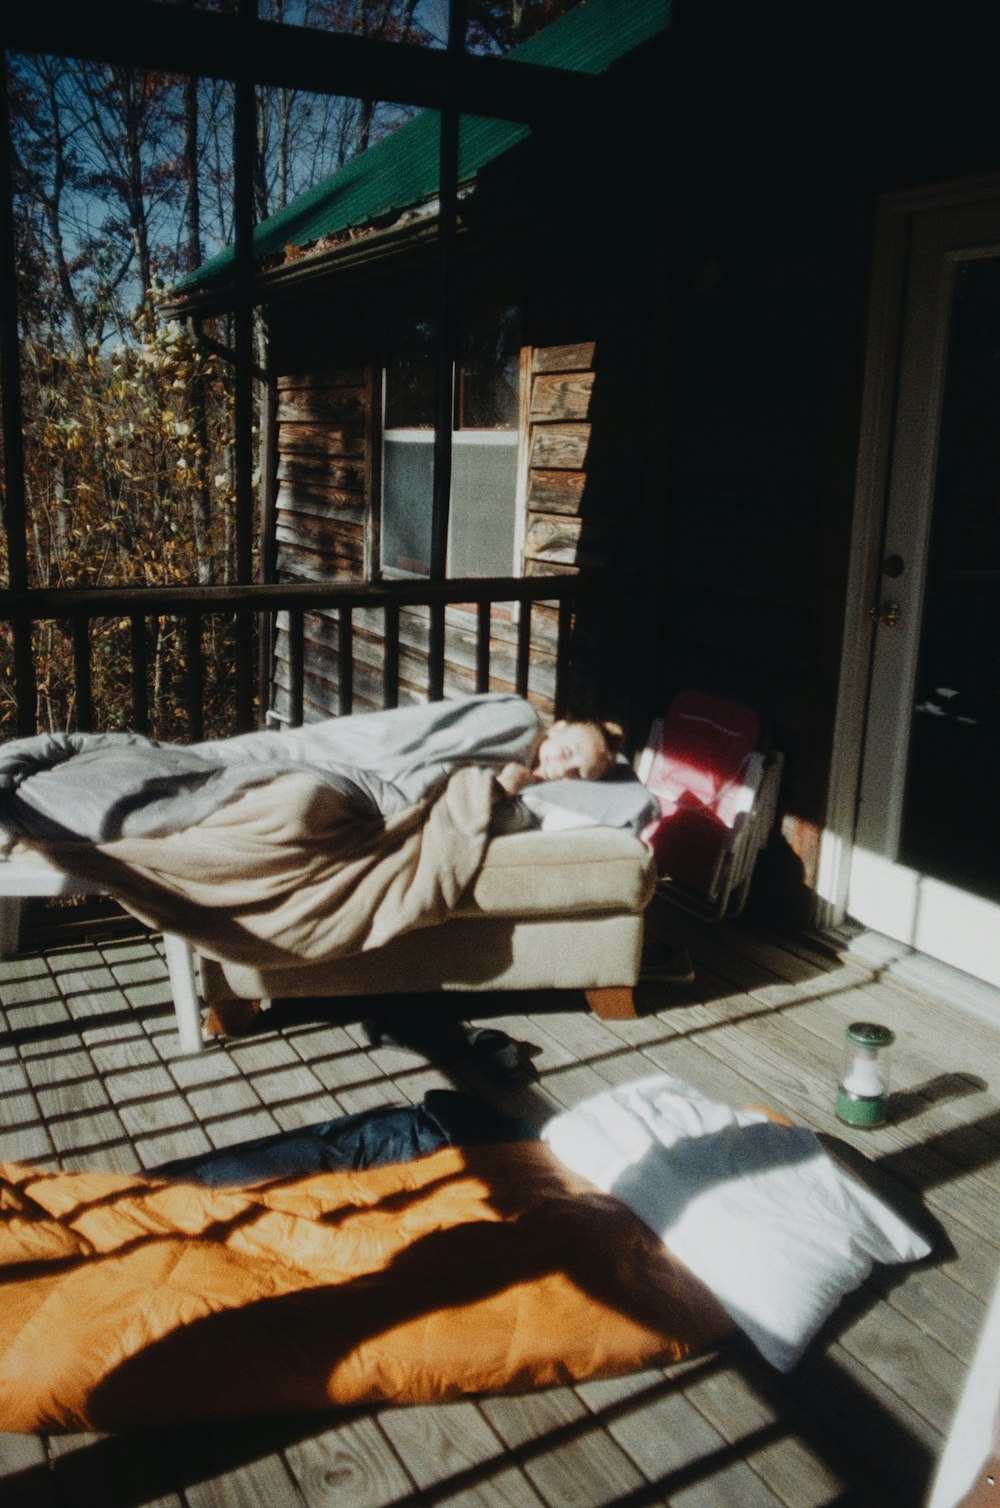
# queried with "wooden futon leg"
point(614, 1004)
point(227, 1018)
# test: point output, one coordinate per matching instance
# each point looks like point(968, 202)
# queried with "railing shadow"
point(825, 1403)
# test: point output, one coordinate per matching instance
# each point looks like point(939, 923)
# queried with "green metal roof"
point(402, 170)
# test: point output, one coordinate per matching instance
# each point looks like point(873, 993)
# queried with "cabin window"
point(482, 526)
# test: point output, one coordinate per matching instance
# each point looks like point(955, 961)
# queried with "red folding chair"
point(717, 790)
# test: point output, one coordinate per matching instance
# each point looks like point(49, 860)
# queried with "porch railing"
point(603, 600)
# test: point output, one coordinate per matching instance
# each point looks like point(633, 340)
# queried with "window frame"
point(507, 438)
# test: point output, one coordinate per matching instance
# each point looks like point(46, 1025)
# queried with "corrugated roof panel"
point(595, 34)
point(402, 170)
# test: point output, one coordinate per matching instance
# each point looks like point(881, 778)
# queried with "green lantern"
point(863, 1091)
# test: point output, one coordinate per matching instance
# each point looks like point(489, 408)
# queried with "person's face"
point(572, 751)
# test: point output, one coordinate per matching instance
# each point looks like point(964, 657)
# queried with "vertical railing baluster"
point(562, 655)
point(25, 683)
point(244, 147)
point(80, 629)
point(139, 673)
point(194, 680)
point(247, 668)
point(523, 649)
point(188, 622)
point(483, 626)
point(296, 666)
point(345, 660)
point(435, 652)
point(13, 429)
point(390, 656)
point(608, 668)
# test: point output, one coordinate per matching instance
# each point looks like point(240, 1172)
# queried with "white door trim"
point(893, 221)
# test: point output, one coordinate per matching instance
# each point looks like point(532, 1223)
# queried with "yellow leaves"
point(118, 456)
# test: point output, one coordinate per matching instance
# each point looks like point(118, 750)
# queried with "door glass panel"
point(951, 816)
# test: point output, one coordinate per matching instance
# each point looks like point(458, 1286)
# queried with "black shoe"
point(667, 966)
point(497, 1056)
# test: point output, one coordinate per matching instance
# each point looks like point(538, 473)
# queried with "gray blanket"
point(99, 787)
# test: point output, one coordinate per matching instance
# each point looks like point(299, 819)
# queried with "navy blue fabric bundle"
point(370, 1138)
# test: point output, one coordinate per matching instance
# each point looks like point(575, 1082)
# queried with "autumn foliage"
point(123, 181)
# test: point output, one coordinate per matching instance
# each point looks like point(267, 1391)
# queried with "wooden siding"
point(325, 429)
point(562, 384)
point(580, 498)
point(326, 511)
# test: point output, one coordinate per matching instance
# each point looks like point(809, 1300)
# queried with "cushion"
point(554, 874)
point(776, 1229)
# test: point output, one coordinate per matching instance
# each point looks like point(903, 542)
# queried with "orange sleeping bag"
point(127, 1301)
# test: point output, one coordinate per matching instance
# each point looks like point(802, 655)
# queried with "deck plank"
point(25, 1477)
point(261, 1483)
point(90, 1468)
point(349, 1463)
point(742, 1414)
point(570, 1459)
point(94, 1076)
point(678, 1448)
point(455, 1457)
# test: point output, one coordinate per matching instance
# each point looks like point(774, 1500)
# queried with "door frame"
point(894, 218)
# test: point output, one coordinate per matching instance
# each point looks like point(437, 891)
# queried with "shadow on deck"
point(93, 1076)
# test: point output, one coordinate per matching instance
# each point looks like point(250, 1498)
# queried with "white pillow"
point(757, 1211)
point(558, 804)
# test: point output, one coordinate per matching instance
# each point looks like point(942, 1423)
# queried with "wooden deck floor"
point(91, 1075)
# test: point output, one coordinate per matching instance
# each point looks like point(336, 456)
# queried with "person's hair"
point(613, 733)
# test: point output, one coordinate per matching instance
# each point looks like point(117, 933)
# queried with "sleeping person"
point(572, 749)
point(103, 786)
point(320, 842)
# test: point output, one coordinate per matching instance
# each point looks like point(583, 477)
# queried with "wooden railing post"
point(139, 673)
point(435, 652)
point(80, 630)
point(563, 636)
point(390, 657)
point(523, 648)
point(190, 608)
point(296, 666)
point(194, 681)
point(483, 627)
point(345, 661)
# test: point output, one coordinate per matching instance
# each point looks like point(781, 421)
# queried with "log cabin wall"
point(769, 342)
point(594, 300)
point(325, 464)
point(561, 388)
point(324, 447)
point(327, 366)
point(771, 214)
point(582, 508)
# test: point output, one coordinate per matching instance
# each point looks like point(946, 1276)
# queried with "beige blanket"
point(286, 873)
